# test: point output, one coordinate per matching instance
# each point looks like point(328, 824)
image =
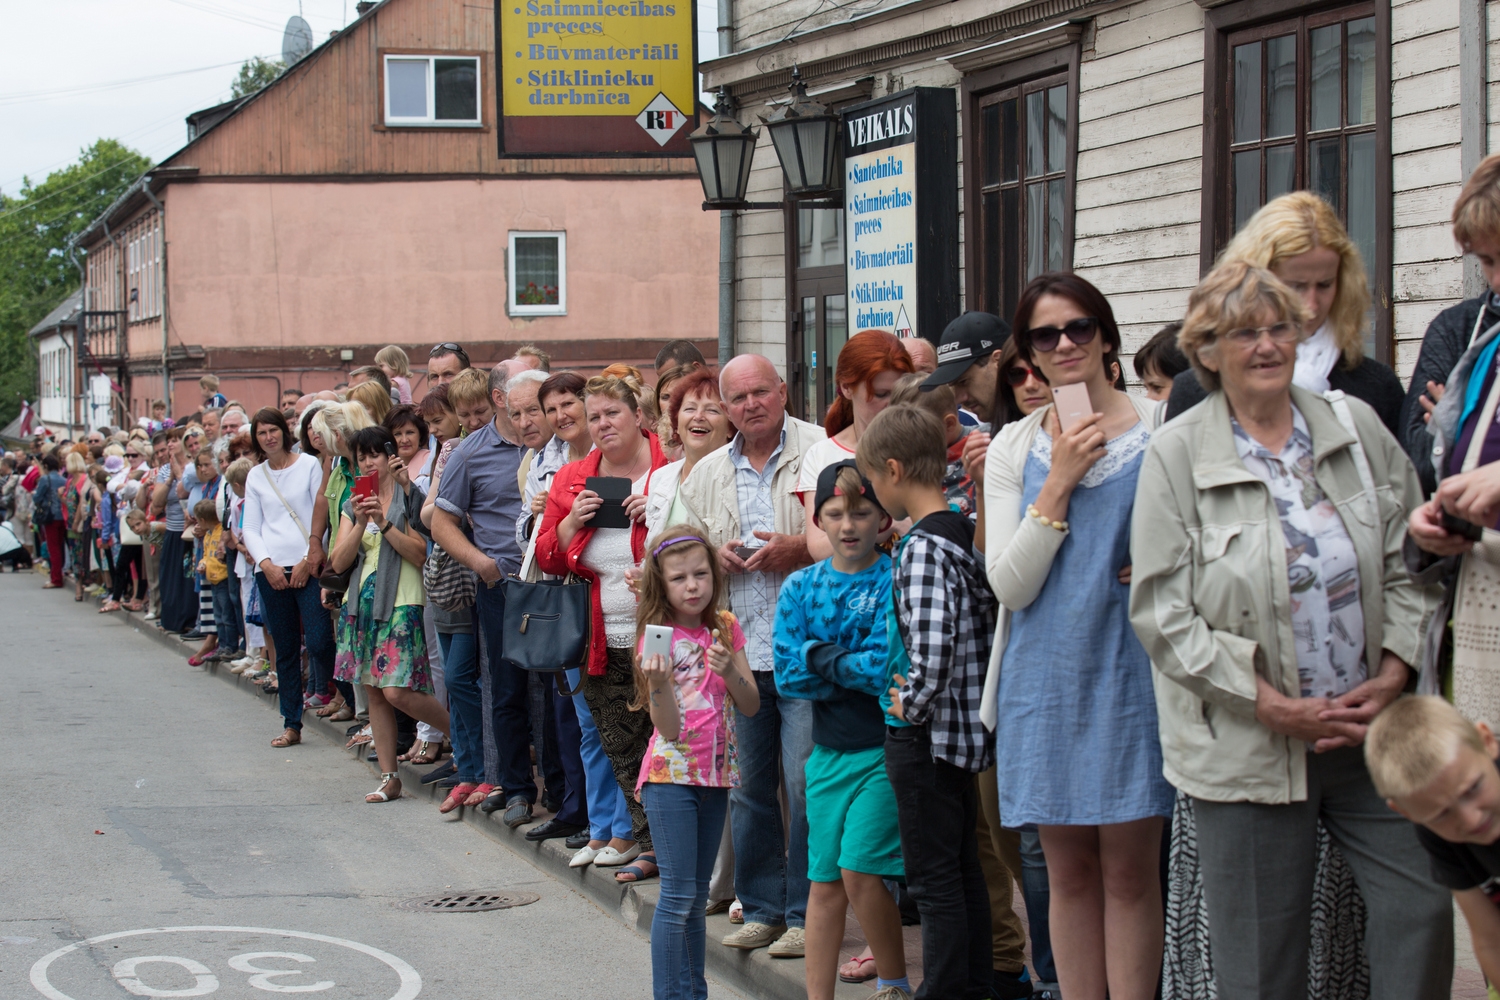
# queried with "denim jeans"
point(294, 616)
point(466, 730)
point(227, 613)
point(609, 816)
point(509, 708)
point(1037, 891)
point(686, 823)
point(774, 745)
point(937, 806)
point(567, 739)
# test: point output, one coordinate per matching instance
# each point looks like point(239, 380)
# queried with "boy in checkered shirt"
point(943, 614)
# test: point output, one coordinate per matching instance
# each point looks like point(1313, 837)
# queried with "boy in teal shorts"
point(831, 648)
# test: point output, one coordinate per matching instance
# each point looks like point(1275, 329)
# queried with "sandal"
point(360, 738)
point(636, 873)
point(109, 606)
point(344, 714)
point(457, 796)
point(290, 738)
point(390, 788)
point(859, 969)
point(426, 752)
point(329, 709)
point(478, 794)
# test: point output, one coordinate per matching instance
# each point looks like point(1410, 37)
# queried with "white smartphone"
point(1072, 403)
point(659, 640)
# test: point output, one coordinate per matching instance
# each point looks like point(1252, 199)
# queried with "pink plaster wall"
point(299, 264)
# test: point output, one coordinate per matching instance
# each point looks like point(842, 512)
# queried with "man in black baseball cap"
point(968, 359)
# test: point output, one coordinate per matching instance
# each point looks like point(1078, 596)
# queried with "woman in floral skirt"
point(381, 644)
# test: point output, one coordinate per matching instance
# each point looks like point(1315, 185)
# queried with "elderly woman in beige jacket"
point(1269, 590)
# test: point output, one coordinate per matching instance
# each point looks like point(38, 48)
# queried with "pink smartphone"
point(1072, 403)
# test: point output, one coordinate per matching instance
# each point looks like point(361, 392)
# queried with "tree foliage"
point(35, 273)
point(255, 74)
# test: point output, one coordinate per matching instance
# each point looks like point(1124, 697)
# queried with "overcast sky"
point(71, 71)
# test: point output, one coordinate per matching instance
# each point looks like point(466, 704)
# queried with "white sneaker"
point(149, 616)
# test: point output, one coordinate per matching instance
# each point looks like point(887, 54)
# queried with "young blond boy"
point(1438, 770)
point(942, 402)
point(944, 612)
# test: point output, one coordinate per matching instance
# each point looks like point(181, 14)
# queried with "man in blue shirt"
point(477, 504)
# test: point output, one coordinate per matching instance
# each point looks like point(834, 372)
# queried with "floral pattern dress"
point(704, 752)
point(391, 653)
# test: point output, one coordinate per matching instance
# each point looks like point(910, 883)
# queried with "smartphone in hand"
point(366, 486)
point(658, 640)
point(1072, 402)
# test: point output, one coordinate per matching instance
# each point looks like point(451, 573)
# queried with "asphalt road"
point(140, 793)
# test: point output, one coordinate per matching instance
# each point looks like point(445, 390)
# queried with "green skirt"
point(391, 653)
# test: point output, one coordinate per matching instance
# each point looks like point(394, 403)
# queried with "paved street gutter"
point(753, 973)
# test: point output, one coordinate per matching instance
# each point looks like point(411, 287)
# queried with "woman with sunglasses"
point(1076, 718)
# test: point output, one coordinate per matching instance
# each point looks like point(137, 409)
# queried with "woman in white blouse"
point(280, 494)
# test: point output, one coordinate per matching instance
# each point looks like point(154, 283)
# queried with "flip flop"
point(636, 870)
point(858, 970)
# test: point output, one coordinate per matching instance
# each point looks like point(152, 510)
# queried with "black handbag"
point(547, 626)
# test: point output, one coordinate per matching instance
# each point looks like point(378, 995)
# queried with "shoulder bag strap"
point(1341, 410)
point(306, 538)
point(529, 572)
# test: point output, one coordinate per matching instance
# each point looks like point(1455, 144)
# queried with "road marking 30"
point(205, 982)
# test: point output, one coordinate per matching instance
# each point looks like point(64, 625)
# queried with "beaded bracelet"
point(1031, 511)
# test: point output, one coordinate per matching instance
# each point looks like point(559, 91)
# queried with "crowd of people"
point(1206, 672)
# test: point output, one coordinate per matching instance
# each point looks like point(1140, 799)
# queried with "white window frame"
point(430, 120)
point(561, 308)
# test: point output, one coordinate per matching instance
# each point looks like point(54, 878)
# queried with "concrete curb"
point(753, 973)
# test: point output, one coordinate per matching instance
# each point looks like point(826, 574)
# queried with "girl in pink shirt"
point(689, 765)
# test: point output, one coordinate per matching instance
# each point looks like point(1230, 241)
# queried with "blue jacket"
point(831, 648)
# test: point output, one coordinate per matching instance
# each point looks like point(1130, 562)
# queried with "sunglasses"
point(132, 454)
point(449, 348)
point(1078, 331)
point(1018, 375)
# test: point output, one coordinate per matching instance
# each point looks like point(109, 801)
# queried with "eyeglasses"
point(1078, 331)
point(1247, 337)
point(1018, 375)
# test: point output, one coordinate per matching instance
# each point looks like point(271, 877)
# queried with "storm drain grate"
point(469, 901)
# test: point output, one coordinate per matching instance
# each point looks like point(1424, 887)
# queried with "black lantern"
point(806, 137)
point(724, 150)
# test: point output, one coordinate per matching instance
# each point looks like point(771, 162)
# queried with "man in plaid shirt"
point(935, 744)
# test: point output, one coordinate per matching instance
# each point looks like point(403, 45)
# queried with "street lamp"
point(806, 137)
point(724, 150)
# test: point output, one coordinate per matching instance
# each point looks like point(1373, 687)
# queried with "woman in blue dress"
point(1076, 734)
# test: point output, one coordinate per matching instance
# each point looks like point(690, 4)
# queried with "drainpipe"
point(727, 219)
point(161, 287)
point(80, 333)
point(1472, 107)
point(119, 284)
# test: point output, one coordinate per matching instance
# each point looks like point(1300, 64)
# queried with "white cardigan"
point(1018, 550)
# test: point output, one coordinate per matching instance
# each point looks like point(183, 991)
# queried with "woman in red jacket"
point(568, 544)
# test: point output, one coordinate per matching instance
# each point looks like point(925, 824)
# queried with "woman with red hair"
point(869, 365)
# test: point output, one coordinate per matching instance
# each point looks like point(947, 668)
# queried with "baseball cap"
point(972, 337)
point(828, 485)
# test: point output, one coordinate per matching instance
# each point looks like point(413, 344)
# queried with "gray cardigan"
point(385, 583)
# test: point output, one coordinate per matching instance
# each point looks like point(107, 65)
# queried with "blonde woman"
point(375, 398)
point(1300, 239)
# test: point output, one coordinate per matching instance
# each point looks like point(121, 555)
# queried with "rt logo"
point(661, 119)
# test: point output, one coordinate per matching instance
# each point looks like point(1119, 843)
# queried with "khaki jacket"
point(710, 497)
point(1209, 597)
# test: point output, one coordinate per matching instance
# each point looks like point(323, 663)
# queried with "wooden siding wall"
point(1426, 169)
point(1140, 154)
point(325, 117)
